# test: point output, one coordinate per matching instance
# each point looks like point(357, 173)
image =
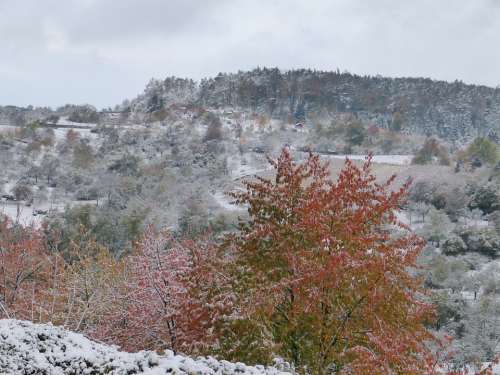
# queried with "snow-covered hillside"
point(27, 348)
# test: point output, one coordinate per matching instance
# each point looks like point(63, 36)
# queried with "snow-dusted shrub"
point(482, 241)
point(27, 348)
point(453, 246)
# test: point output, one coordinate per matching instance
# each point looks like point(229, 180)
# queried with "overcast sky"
point(100, 52)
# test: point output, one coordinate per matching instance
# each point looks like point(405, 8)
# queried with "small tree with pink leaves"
point(169, 300)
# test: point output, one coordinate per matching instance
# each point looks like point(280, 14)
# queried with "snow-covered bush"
point(483, 241)
point(453, 246)
point(27, 348)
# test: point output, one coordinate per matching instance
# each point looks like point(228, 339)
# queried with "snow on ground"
point(6, 127)
point(246, 171)
point(402, 216)
point(65, 122)
point(60, 133)
point(245, 168)
point(225, 202)
point(380, 159)
point(19, 213)
point(27, 348)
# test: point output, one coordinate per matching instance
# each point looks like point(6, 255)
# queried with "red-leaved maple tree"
point(323, 270)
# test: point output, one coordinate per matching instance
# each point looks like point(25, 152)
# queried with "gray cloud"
point(102, 51)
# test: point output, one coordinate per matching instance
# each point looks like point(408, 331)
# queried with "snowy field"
point(60, 133)
point(246, 167)
point(247, 171)
point(380, 159)
point(7, 128)
point(19, 213)
point(65, 122)
point(225, 202)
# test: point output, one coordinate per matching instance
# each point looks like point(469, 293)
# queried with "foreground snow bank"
point(27, 348)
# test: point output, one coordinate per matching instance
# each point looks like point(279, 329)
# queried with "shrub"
point(431, 151)
point(486, 199)
point(482, 149)
point(84, 114)
point(453, 246)
point(484, 241)
point(214, 129)
point(355, 133)
point(22, 192)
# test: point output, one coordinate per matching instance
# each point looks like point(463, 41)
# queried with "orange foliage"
point(26, 271)
point(320, 275)
point(43, 286)
point(319, 268)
